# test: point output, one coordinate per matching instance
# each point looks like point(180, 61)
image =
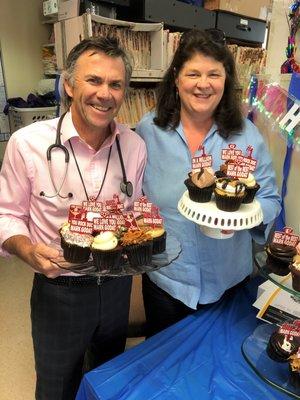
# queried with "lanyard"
point(80, 175)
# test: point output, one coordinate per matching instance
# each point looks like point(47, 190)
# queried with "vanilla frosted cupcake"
point(159, 237)
point(229, 194)
point(138, 247)
point(251, 187)
point(76, 246)
point(106, 252)
point(200, 185)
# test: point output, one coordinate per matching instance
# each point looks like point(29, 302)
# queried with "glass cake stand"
point(286, 284)
point(173, 249)
point(274, 373)
point(216, 223)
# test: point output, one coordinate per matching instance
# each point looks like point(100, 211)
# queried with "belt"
point(79, 281)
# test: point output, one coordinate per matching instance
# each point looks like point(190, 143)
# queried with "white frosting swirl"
point(250, 182)
point(105, 241)
point(228, 186)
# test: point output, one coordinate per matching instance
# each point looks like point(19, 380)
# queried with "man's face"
point(97, 91)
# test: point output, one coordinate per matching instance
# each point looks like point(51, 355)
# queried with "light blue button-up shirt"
point(206, 267)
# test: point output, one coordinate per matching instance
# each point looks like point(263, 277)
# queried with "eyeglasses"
point(217, 35)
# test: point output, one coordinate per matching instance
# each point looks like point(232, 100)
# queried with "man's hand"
point(38, 256)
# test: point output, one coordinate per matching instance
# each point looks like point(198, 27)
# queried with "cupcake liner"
point(277, 265)
point(159, 244)
point(250, 194)
point(228, 203)
point(75, 254)
point(139, 254)
point(109, 260)
point(199, 195)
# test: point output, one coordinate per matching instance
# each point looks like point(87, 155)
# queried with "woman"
point(198, 105)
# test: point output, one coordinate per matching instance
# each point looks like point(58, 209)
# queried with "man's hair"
point(107, 45)
point(228, 114)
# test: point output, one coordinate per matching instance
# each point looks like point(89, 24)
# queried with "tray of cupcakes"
point(273, 352)
point(279, 259)
point(100, 238)
point(224, 201)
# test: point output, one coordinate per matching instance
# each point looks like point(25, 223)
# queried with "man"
point(72, 315)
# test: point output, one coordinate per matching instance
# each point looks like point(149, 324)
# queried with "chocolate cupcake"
point(280, 347)
point(76, 246)
point(107, 252)
point(295, 271)
point(138, 247)
point(251, 187)
point(200, 185)
point(229, 194)
point(279, 258)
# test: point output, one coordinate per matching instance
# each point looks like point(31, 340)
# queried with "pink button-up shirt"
point(25, 174)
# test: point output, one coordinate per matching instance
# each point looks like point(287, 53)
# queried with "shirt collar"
point(69, 131)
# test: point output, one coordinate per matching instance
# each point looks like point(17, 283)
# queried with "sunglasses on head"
point(216, 35)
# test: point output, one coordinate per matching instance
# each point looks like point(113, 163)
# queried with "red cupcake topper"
point(129, 221)
point(153, 218)
point(114, 204)
point(287, 237)
point(106, 222)
point(202, 161)
point(93, 206)
point(248, 160)
point(236, 170)
point(76, 212)
point(82, 227)
point(289, 329)
point(231, 153)
point(142, 205)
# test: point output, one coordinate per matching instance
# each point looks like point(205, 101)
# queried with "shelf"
point(274, 373)
point(284, 282)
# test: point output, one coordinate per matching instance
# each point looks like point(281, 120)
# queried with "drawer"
point(241, 28)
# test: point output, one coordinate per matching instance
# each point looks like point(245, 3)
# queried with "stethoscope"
point(126, 186)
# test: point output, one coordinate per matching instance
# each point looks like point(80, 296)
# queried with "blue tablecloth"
point(197, 358)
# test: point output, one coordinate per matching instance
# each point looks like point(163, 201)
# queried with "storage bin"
point(19, 117)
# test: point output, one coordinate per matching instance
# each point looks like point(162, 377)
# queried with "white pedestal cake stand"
point(216, 223)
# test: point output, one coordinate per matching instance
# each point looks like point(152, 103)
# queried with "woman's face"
point(200, 85)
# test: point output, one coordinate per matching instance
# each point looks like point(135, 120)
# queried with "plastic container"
point(20, 117)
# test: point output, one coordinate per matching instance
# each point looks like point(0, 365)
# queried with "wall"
point(22, 35)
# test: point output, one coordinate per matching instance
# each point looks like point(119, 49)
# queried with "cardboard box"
point(250, 8)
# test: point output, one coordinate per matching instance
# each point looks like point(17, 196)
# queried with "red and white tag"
point(153, 218)
point(237, 171)
point(202, 161)
point(114, 204)
point(287, 237)
point(105, 223)
point(76, 212)
point(289, 329)
point(142, 205)
point(231, 153)
point(82, 227)
point(130, 221)
point(93, 206)
point(248, 160)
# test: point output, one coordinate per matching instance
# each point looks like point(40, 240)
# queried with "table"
point(197, 358)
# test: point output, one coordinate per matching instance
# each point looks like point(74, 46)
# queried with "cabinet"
point(254, 346)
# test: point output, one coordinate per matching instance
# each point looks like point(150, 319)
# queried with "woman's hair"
point(228, 114)
point(107, 45)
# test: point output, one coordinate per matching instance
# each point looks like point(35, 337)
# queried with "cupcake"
point(76, 246)
point(222, 172)
point(280, 346)
point(294, 368)
point(229, 194)
point(106, 252)
point(138, 247)
point(279, 256)
point(158, 234)
point(200, 185)
point(295, 271)
point(251, 187)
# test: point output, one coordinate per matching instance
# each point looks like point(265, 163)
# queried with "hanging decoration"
point(290, 65)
